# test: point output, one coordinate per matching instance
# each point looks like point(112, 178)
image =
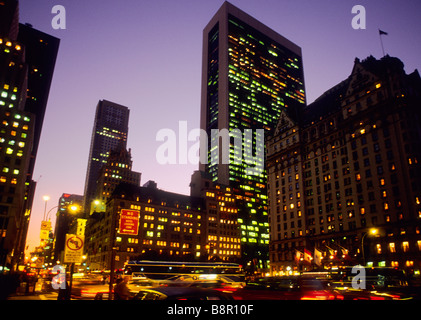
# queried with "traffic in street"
point(307, 286)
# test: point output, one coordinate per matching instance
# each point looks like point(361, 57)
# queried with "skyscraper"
point(25, 78)
point(110, 129)
point(250, 75)
point(41, 51)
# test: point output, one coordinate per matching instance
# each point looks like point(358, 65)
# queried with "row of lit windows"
point(391, 246)
point(3, 179)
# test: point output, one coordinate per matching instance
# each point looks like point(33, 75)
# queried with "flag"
point(382, 32)
point(297, 256)
point(345, 254)
point(307, 256)
point(332, 253)
point(317, 257)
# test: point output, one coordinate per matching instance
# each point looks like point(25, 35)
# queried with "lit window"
point(405, 246)
point(392, 247)
point(379, 248)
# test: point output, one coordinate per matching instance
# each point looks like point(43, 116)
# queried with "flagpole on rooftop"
point(381, 40)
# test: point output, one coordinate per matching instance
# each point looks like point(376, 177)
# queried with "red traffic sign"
point(129, 222)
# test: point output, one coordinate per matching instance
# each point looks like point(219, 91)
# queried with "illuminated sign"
point(129, 222)
point(73, 250)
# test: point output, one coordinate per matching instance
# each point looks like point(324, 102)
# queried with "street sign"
point(129, 222)
point(73, 249)
point(45, 230)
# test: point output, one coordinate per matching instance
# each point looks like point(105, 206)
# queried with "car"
point(181, 293)
point(288, 288)
point(369, 293)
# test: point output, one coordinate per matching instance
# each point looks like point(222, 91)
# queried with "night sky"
point(147, 55)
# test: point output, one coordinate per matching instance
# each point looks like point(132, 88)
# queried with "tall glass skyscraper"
point(110, 130)
point(250, 75)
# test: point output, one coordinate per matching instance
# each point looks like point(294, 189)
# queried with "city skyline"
point(138, 72)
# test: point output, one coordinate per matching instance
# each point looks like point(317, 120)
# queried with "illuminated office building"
point(110, 130)
point(250, 75)
point(23, 98)
point(118, 169)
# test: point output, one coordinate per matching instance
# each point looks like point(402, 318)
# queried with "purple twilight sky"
point(147, 56)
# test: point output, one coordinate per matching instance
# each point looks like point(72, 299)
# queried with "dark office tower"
point(110, 129)
point(16, 135)
point(9, 19)
point(41, 53)
point(250, 75)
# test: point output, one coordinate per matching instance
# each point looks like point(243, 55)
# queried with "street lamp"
point(372, 232)
point(45, 198)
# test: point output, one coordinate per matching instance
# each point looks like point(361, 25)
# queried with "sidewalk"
point(35, 296)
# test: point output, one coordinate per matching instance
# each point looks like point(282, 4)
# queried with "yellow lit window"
point(379, 248)
point(405, 246)
point(392, 247)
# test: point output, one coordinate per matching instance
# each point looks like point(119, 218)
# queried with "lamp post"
point(45, 198)
point(372, 231)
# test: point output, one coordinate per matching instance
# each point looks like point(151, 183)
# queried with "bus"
point(162, 270)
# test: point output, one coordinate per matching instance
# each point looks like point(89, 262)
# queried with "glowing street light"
point(372, 232)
